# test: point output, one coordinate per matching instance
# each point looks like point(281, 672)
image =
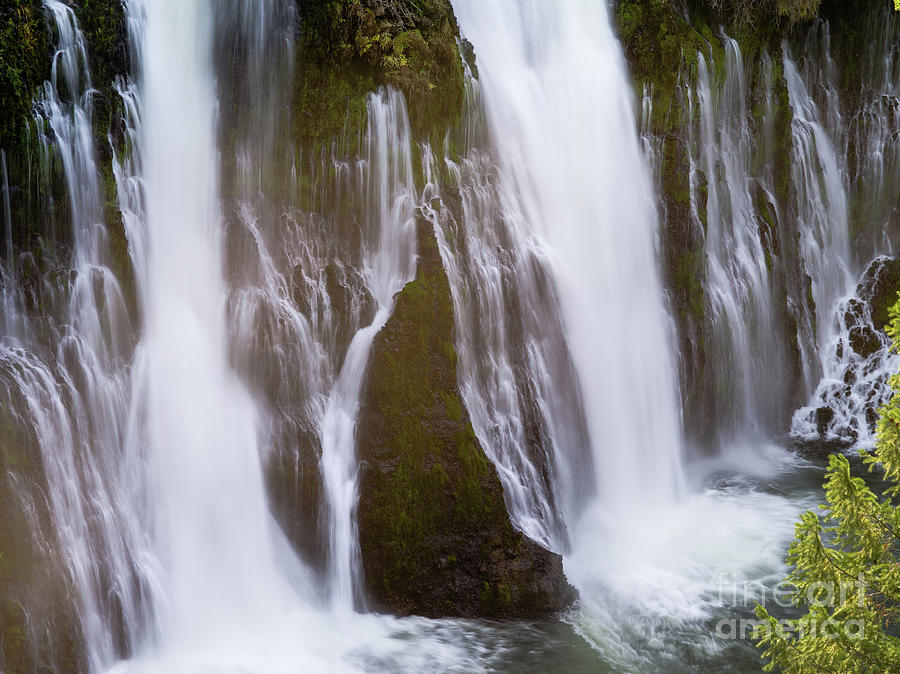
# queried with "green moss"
point(348, 48)
point(105, 31)
point(762, 14)
point(409, 385)
point(25, 54)
point(659, 44)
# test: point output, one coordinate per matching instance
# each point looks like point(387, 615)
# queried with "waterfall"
point(184, 385)
point(209, 514)
point(74, 396)
point(389, 262)
point(573, 182)
point(7, 269)
point(821, 208)
point(847, 174)
point(777, 234)
point(553, 266)
point(516, 372)
point(745, 341)
point(857, 363)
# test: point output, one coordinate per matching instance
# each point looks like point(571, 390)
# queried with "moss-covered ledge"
point(25, 56)
point(435, 536)
point(347, 48)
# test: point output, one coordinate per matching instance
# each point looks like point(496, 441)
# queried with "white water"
point(568, 194)
point(745, 342)
point(209, 516)
point(822, 210)
point(858, 362)
point(574, 185)
point(228, 592)
point(833, 193)
point(387, 267)
point(76, 393)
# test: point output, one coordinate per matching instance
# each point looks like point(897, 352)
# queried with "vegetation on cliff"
point(757, 11)
point(25, 54)
point(434, 532)
point(347, 48)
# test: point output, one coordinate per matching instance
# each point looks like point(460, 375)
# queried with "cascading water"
point(389, 262)
point(821, 207)
point(857, 364)
point(516, 372)
point(579, 193)
point(209, 515)
point(563, 207)
point(745, 342)
point(75, 396)
point(848, 365)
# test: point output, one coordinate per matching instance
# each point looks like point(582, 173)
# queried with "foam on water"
point(652, 599)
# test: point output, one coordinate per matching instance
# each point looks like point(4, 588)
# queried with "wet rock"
point(294, 486)
point(850, 375)
point(350, 302)
point(864, 340)
point(824, 416)
point(879, 287)
point(435, 536)
point(854, 311)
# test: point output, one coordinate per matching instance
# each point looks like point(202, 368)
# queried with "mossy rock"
point(347, 48)
point(435, 536)
point(25, 56)
point(105, 31)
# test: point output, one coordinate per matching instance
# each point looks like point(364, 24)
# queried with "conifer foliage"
point(846, 566)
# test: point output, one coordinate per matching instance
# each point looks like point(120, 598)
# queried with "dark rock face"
point(864, 340)
point(434, 533)
point(879, 288)
point(845, 409)
point(824, 416)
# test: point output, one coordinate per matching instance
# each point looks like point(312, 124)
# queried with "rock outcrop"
point(435, 536)
point(845, 407)
point(879, 287)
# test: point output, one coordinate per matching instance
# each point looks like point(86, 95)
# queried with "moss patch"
point(25, 54)
point(347, 48)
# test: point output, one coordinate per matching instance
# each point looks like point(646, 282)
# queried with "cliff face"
point(723, 64)
point(435, 536)
point(434, 531)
